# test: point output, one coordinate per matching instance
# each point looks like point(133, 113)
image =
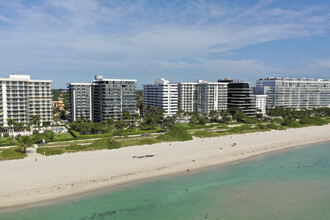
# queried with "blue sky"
point(72, 40)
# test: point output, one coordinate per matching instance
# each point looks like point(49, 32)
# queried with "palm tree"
point(36, 120)
point(25, 142)
point(19, 126)
point(10, 123)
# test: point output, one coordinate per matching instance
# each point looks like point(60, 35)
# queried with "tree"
point(154, 116)
point(36, 120)
point(225, 116)
point(46, 123)
point(110, 123)
point(139, 101)
point(19, 126)
point(126, 115)
point(194, 119)
point(120, 124)
point(25, 142)
point(180, 113)
point(213, 115)
point(10, 123)
point(49, 135)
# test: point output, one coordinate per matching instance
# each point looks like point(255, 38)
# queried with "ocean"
point(290, 184)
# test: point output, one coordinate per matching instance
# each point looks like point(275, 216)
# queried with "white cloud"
point(70, 34)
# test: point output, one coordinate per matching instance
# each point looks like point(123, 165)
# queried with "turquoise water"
point(293, 184)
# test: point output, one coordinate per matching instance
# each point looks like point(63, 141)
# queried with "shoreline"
point(51, 180)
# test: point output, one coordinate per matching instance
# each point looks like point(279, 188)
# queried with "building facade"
point(202, 96)
point(110, 97)
point(22, 98)
point(295, 93)
point(239, 96)
point(161, 94)
point(261, 103)
point(80, 96)
point(187, 96)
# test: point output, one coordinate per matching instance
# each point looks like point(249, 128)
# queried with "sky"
point(180, 40)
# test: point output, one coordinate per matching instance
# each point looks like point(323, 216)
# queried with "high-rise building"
point(161, 94)
point(110, 97)
point(295, 93)
point(22, 98)
point(202, 96)
point(261, 101)
point(239, 96)
point(102, 99)
point(80, 101)
point(187, 96)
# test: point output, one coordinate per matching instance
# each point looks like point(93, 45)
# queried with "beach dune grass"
point(47, 151)
point(12, 153)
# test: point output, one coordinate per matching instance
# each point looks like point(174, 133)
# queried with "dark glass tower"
point(111, 97)
point(239, 96)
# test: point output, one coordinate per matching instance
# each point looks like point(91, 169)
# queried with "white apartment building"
point(295, 93)
point(261, 103)
point(161, 94)
point(187, 96)
point(202, 96)
point(21, 98)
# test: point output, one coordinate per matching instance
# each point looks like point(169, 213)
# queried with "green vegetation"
point(176, 133)
point(12, 153)
point(49, 151)
point(131, 130)
point(235, 130)
point(25, 142)
point(63, 136)
point(7, 141)
point(107, 143)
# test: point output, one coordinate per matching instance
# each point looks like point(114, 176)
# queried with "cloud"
point(148, 35)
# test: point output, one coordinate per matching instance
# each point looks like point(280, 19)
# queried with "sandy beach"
point(38, 178)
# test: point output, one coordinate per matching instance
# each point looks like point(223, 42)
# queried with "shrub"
point(262, 127)
point(119, 133)
point(146, 141)
point(176, 134)
point(108, 143)
point(312, 121)
point(5, 134)
point(203, 134)
point(76, 147)
point(273, 126)
point(49, 151)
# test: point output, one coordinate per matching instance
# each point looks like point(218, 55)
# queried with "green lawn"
point(63, 136)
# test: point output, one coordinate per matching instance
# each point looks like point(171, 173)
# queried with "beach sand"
point(39, 178)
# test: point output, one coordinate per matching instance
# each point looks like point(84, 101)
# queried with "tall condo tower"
point(111, 97)
point(80, 101)
point(202, 96)
point(161, 94)
point(22, 98)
